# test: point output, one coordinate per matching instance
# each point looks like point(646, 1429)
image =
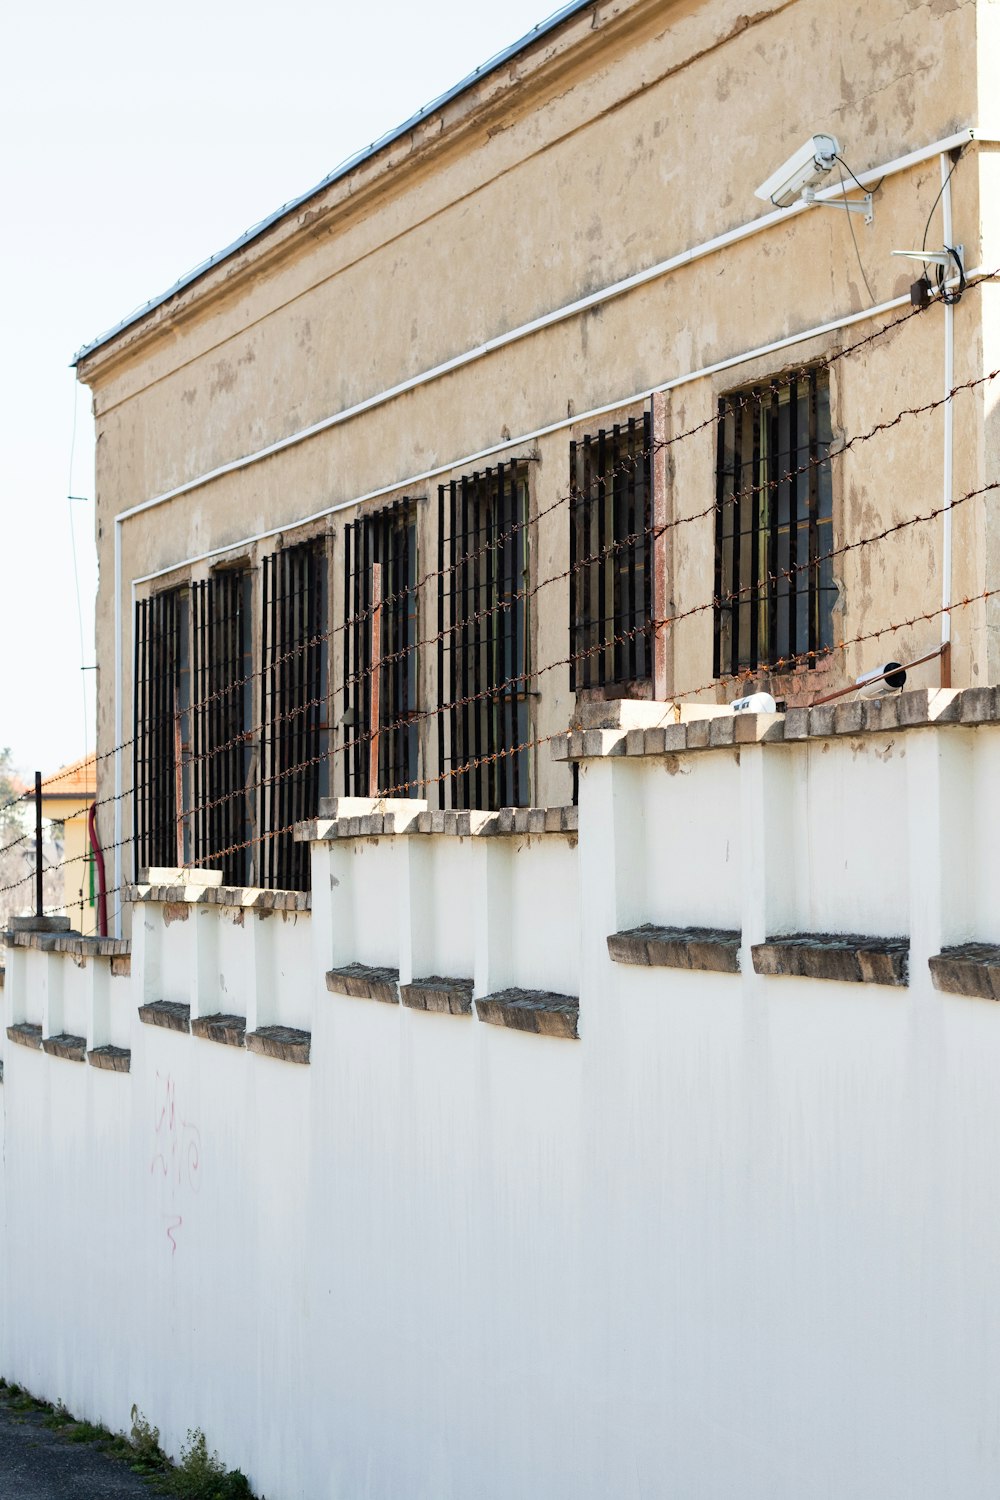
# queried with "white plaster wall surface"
point(738, 1240)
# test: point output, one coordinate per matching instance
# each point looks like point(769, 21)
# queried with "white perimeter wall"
point(742, 1239)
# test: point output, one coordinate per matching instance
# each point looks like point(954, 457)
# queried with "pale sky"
point(136, 142)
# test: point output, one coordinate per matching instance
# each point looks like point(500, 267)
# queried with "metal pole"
point(376, 678)
point(39, 903)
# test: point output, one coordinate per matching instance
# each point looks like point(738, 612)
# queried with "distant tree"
point(12, 810)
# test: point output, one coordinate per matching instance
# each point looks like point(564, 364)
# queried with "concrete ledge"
point(280, 1042)
point(696, 726)
point(538, 1011)
point(71, 1048)
point(971, 969)
point(709, 948)
point(40, 924)
point(71, 943)
point(362, 982)
point(507, 822)
point(230, 1031)
point(110, 1059)
point(244, 897)
point(445, 997)
point(849, 958)
point(169, 1013)
point(25, 1034)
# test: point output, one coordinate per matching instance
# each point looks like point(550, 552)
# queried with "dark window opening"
point(294, 726)
point(386, 540)
point(610, 555)
point(222, 724)
point(774, 584)
point(483, 723)
point(160, 769)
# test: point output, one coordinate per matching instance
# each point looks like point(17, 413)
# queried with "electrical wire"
point(854, 238)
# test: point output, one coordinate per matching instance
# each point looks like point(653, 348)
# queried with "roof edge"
point(350, 164)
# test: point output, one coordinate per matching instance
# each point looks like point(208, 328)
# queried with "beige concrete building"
point(607, 423)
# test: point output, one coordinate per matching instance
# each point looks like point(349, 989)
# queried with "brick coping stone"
point(110, 1059)
point(971, 969)
point(445, 997)
point(365, 982)
point(848, 957)
point(172, 1014)
point(539, 1011)
point(283, 1043)
point(714, 949)
point(26, 1034)
point(229, 1030)
point(70, 1048)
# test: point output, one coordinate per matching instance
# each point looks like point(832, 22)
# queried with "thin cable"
point(76, 579)
point(854, 238)
point(937, 200)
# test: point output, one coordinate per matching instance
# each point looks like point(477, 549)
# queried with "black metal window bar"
point(610, 556)
point(386, 540)
point(161, 694)
point(483, 639)
point(293, 710)
point(222, 720)
point(774, 585)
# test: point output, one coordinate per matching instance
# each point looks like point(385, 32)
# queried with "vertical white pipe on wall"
point(948, 437)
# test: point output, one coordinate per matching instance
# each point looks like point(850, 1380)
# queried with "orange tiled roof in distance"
point(74, 782)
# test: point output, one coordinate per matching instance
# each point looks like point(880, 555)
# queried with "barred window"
point(293, 709)
point(160, 775)
point(387, 541)
point(222, 759)
point(483, 662)
point(610, 552)
point(774, 585)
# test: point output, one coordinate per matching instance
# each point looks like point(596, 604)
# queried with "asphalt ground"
point(37, 1463)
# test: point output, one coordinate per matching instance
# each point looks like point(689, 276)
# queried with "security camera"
point(889, 677)
point(807, 167)
point(756, 703)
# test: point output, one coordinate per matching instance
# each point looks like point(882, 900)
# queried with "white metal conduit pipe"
point(570, 310)
point(948, 437)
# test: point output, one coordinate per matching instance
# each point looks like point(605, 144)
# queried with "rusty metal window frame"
point(774, 584)
point(483, 642)
point(386, 539)
point(222, 723)
point(611, 498)
point(294, 728)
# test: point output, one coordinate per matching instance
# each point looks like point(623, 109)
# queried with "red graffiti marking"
point(176, 1159)
point(172, 1228)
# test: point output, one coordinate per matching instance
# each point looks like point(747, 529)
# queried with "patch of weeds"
point(57, 1416)
point(201, 1475)
point(145, 1454)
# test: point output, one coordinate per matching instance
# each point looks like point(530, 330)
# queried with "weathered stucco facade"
point(341, 360)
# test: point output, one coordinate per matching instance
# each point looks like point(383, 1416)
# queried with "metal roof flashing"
point(339, 172)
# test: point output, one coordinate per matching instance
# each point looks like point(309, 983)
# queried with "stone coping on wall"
point(25, 1034)
point(537, 1011)
point(713, 949)
point(506, 822)
point(71, 943)
point(228, 1030)
point(110, 1059)
point(971, 969)
point(174, 1015)
point(645, 728)
point(848, 957)
point(438, 995)
point(70, 1048)
point(284, 1043)
point(365, 982)
point(244, 897)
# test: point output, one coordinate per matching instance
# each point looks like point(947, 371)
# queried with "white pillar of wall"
point(940, 840)
point(15, 986)
point(767, 826)
point(262, 993)
point(99, 1007)
point(492, 861)
point(147, 938)
point(51, 978)
point(203, 961)
point(414, 857)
